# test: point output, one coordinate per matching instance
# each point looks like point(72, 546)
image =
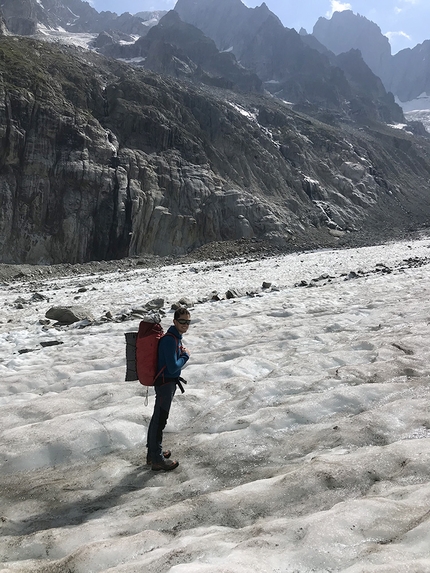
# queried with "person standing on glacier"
point(172, 357)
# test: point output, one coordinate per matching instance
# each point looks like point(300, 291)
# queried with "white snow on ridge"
point(421, 115)
point(253, 116)
point(303, 435)
point(150, 23)
point(417, 109)
point(398, 125)
point(133, 61)
point(82, 40)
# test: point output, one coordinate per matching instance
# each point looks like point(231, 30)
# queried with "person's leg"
point(163, 400)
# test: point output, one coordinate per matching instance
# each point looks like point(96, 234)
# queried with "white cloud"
point(405, 5)
point(337, 6)
point(400, 34)
point(399, 40)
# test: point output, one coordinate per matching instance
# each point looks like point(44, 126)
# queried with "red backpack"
point(142, 353)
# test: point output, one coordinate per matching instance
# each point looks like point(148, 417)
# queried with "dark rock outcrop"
point(373, 100)
point(99, 160)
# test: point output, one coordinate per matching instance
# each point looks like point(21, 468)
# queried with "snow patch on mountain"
point(420, 115)
point(81, 40)
point(417, 109)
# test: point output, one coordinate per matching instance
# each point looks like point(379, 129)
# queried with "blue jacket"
point(171, 355)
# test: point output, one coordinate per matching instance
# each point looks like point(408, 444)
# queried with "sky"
point(405, 22)
point(303, 436)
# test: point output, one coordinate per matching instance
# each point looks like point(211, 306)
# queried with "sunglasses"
point(183, 321)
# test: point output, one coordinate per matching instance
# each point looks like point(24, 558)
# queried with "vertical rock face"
point(22, 16)
point(54, 176)
point(89, 171)
point(99, 160)
point(410, 76)
point(3, 28)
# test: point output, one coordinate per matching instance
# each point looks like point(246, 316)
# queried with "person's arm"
point(167, 350)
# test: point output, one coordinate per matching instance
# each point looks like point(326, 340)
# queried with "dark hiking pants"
point(163, 400)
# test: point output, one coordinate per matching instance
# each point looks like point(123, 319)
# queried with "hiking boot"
point(166, 455)
point(165, 465)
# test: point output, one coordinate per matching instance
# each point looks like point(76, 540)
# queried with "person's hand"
point(185, 350)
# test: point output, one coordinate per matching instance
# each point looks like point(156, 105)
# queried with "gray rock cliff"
point(99, 160)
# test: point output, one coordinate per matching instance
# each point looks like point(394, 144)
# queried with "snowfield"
point(303, 436)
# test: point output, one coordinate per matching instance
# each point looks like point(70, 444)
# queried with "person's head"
point(182, 319)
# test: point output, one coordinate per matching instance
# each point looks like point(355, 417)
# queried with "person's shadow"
point(77, 512)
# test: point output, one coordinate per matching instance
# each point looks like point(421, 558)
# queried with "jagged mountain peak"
point(170, 18)
point(181, 50)
point(290, 67)
point(225, 21)
point(346, 30)
point(405, 74)
point(348, 16)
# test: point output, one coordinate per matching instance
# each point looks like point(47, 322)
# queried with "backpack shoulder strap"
point(173, 336)
point(170, 334)
point(164, 367)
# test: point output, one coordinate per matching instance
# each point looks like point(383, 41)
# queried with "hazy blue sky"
point(405, 22)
